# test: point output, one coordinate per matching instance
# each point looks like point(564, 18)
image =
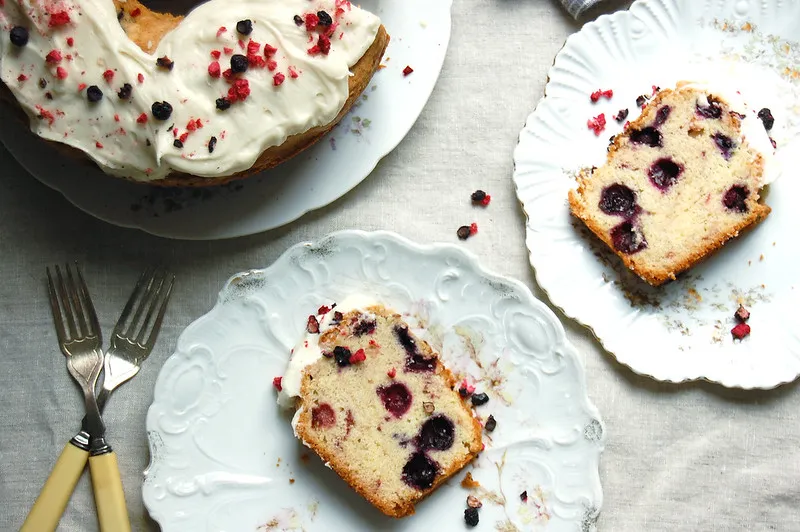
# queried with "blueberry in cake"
point(377, 405)
point(678, 182)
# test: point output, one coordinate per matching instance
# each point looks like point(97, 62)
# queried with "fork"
point(122, 363)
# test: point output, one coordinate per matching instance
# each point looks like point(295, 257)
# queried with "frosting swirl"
point(84, 83)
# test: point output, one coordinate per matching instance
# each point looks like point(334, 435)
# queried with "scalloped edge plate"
point(223, 456)
point(679, 332)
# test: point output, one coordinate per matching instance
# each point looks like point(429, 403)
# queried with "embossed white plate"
point(223, 454)
point(681, 331)
point(420, 32)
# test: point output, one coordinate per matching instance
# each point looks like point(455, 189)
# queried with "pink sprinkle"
point(407, 70)
point(58, 19)
point(252, 47)
point(98, 145)
point(473, 228)
point(61, 73)
point(312, 21)
point(183, 137)
point(293, 73)
point(278, 78)
point(216, 54)
point(53, 56)
point(228, 51)
point(70, 41)
point(272, 65)
point(81, 86)
point(191, 126)
point(269, 50)
point(221, 30)
point(22, 77)
point(740, 331)
point(466, 386)
point(596, 95)
point(277, 382)
point(142, 118)
point(597, 124)
point(140, 77)
point(358, 356)
point(391, 373)
point(214, 69)
point(108, 75)
point(116, 118)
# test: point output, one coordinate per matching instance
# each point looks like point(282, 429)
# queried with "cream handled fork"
point(129, 348)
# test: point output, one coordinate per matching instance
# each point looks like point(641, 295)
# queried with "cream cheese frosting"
point(307, 350)
point(66, 58)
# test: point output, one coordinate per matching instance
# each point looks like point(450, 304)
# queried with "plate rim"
point(473, 261)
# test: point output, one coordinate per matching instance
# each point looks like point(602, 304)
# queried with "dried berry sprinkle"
point(221, 30)
point(61, 73)
point(471, 516)
point(473, 229)
point(70, 42)
point(342, 356)
point(774, 144)
point(239, 91)
point(473, 501)
point(269, 51)
point(742, 314)
point(641, 100)
point(312, 21)
point(597, 124)
point(108, 75)
point(479, 399)
point(523, 496)
point(141, 119)
point(125, 91)
point(293, 73)
point(465, 389)
point(140, 78)
point(358, 356)
point(19, 36)
point(491, 424)
point(313, 325)
point(277, 382)
point(81, 86)
point(596, 95)
point(239, 63)
point(94, 94)
point(223, 104)
point(621, 115)
point(98, 145)
point(22, 77)
point(740, 331)
point(214, 69)
point(324, 44)
point(463, 232)
point(272, 65)
point(177, 143)
point(53, 57)
point(42, 83)
point(165, 62)
point(161, 110)
point(59, 18)
point(407, 70)
point(391, 373)
point(245, 27)
point(479, 197)
point(765, 115)
point(324, 18)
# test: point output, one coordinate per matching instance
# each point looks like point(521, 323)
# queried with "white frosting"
point(108, 130)
point(752, 128)
point(307, 350)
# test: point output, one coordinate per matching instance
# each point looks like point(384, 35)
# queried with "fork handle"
point(55, 494)
point(112, 514)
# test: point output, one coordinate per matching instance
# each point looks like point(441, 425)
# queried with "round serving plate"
point(223, 453)
point(680, 331)
point(420, 33)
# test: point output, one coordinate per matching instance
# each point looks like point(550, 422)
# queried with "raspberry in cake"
point(678, 182)
point(377, 405)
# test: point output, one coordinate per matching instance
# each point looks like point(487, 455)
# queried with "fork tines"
point(73, 299)
point(150, 298)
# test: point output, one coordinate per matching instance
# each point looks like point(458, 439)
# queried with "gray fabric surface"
point(689, 457)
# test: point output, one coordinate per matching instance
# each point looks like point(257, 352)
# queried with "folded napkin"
point(576, 7)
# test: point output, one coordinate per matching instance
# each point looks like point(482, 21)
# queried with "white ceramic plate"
point(223, 455)
point(420, 32)
point(681, 331)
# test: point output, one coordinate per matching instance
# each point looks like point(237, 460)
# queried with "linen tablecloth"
point(689, 457)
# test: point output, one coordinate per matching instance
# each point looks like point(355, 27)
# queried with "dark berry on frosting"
point(471, 516)
point(125, 91)
point(627, 239)
point(649, 135)
point(491, 424)
point(725, 144)
point(765, 115)
point(223, 104)
point(420, 471)
point(245, 27)
point(212, 143)
point(734, 198)
point(342, 356)
point(621, 115)
point(94, 94)
point(42, 83)
point(664, 173)
point(641, 100)
point(324, 18)
point(177, 143)
point(479, 399)
point(239, 63)
point(618, 199)
point(396, 398)
point(19, 36)
point(438, 433)
point(478, 196)
point(165, 62)
point(463, 232)
point(161, 110)
point(298, 20)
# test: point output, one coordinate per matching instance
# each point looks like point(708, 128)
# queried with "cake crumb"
point(291, 481)
point(761, 258)
point(469, 483)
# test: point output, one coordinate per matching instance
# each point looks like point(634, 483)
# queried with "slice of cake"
point(377, 405)
point(678, 182)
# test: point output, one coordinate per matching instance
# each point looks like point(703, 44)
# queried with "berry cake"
point(678, 182)
point(378, 407)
